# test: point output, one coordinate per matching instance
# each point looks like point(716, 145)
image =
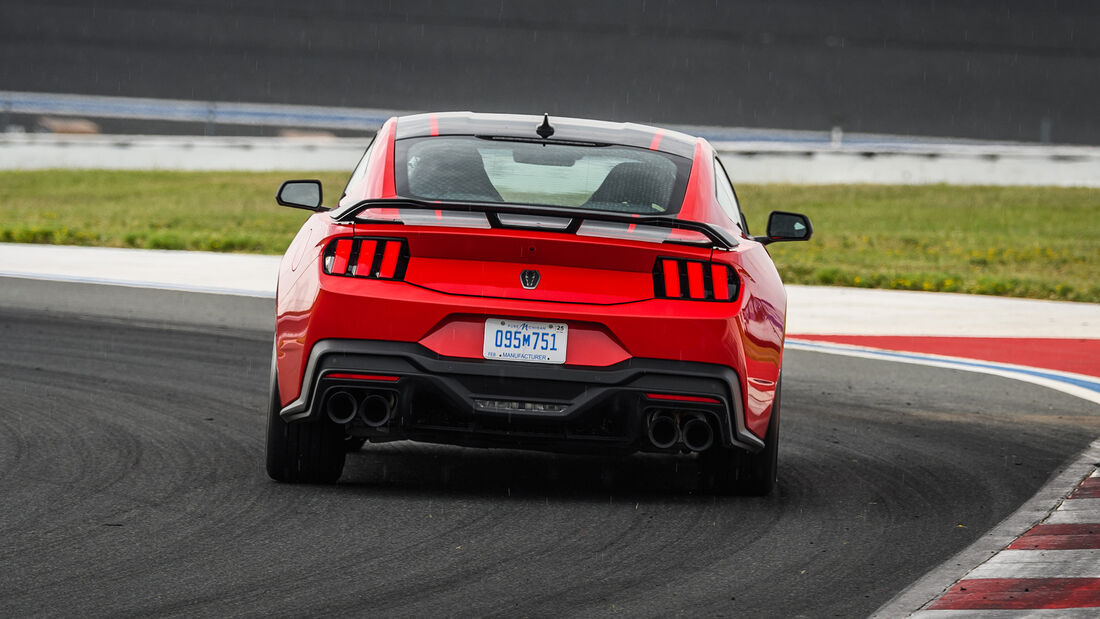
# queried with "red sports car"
point(523, 282)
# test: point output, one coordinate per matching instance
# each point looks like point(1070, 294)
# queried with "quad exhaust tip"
point(375, 410)
point(663, 431)
point(697, 433)
point(666, 429)
point(341, 407)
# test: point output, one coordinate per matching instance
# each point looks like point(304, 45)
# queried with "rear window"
point(595, 177)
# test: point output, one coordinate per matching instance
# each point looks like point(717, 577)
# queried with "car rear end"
point(584, 318)
point(605, 350)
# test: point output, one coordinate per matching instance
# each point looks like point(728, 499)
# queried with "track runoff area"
point(1045, 559)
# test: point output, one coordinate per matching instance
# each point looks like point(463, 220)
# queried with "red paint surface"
point(1020, 593)
point(1059, 537)
point(464, 337)
point(1089, 489)
point(1081, 356)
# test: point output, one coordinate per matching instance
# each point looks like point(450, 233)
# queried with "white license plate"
point(521, 340)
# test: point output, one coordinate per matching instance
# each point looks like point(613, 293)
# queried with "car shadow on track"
point(414, 467)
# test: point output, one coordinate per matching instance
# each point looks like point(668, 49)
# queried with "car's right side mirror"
point(301, 194)
point(784, 226)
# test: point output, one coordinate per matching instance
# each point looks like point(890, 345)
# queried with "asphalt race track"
point(131, 466)
point(1000, 69)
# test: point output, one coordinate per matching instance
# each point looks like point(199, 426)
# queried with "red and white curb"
point(1038, 562)
point(1054, 566)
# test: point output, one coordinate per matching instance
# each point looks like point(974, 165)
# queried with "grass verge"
point(1038, 242)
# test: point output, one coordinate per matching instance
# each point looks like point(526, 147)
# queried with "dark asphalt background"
point(968, 68)
point(131, 467)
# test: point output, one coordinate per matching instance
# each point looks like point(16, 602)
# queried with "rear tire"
point(733, 471)
point(309, 451)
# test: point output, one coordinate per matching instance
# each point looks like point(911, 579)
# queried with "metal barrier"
point(209, 113)
point(751, 155)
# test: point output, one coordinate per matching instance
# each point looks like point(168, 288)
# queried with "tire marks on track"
point(133, 482)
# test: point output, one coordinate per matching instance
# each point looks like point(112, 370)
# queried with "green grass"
point(210, 211)
point(1038, 242)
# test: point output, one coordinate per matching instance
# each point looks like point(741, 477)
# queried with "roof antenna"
point(545, 130)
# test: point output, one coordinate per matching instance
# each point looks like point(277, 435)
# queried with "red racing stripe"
point(433, 125)
point(656, 139)
point(1081, 356)
point(1059, 537)
point(1089, 489)
point(1020, 593)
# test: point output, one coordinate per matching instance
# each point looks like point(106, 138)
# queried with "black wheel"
point(309, 451)
point(732, 471)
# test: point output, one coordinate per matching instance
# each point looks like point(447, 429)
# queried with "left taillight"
point(370, 258)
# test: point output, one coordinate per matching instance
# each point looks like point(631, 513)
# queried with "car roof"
point(565, 129)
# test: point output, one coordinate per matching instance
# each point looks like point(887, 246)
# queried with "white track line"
point(1077, 385)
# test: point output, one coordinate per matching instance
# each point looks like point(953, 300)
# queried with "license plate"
point(521, 340)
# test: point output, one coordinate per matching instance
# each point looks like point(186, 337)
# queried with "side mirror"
point(784, 226)
point(300, 194)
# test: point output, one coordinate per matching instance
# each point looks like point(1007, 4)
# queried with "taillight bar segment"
point(694, 280)
point(372, 258)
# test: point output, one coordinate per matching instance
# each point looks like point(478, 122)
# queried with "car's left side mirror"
point(784, 226)
point(301, 194)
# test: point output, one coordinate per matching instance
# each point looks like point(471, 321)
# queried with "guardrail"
point(209, 113)
point(752, 155)
point(212, 113)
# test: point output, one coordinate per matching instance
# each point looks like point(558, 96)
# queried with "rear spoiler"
point(715, 236)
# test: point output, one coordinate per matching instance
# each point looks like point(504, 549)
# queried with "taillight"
point(366, 257)
point(695, 280)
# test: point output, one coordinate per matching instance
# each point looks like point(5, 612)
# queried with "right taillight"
point(694, 280)
point(371, 258)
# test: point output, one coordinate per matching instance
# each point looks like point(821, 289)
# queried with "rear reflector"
point(694, 280)
point(349, 376)
point(366, 257)
point(682, 398)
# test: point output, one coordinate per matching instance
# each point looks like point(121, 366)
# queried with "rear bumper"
point(601, 408)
